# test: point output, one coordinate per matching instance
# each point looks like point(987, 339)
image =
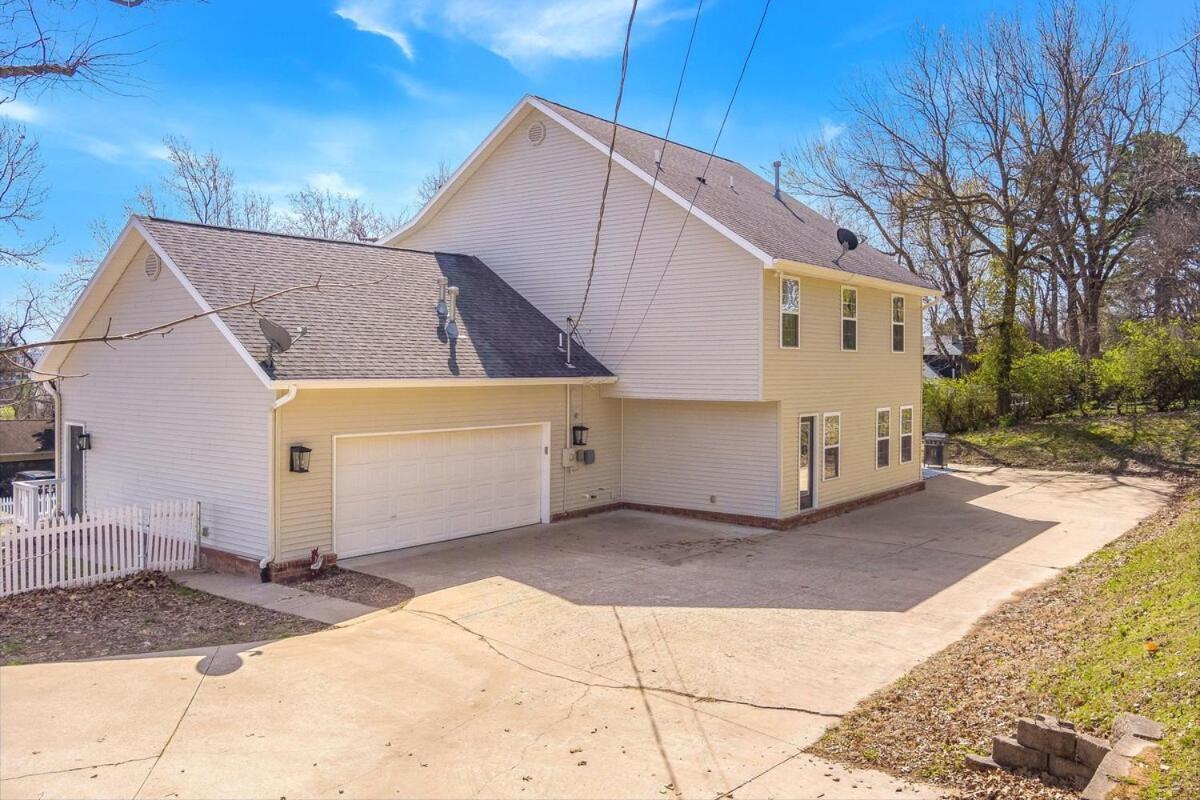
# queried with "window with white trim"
point(849, 318)
point(832, 446)
point(897, 323)
point(883, 437)
point(789, 312)
point(906, 434)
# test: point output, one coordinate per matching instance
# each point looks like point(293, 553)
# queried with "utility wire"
point(700, 183)
point(654, 183)
point(1158, 57)
point(612, 144)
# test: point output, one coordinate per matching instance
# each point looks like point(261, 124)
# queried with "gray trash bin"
point(935, 449)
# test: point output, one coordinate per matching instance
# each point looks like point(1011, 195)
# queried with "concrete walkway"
point(624, 655)
point(275, 596)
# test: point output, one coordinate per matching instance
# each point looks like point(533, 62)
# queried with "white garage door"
point(399, 490)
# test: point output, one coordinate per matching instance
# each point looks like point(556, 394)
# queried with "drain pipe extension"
point(272, 435)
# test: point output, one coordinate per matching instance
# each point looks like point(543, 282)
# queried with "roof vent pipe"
point(777, 165)
point(730, 181)
point(657, 157)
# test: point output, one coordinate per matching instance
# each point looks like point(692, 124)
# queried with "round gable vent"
point(153, 266)
point(537, 133)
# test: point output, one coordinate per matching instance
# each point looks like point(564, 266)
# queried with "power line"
point(654, 183)
point(700, 183)
point(612, 144)
point(1158, 57)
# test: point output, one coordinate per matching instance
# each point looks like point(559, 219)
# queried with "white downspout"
point(58, 444)
point(272, 436)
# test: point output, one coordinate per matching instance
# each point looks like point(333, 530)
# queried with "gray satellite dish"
point(279, 338)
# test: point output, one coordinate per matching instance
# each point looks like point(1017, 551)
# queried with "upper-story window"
point(849, 318)
point(789, 312)
point(897, 323)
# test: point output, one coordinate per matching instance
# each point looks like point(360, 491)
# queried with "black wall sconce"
point(579, 435)
point(84, 441)
point(300, 457)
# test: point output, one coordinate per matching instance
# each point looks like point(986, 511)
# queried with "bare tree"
point(432, 183)
point(200, 183)
point(21, 194)
point(331, 215)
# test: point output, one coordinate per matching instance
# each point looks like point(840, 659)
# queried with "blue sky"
point(366, 96)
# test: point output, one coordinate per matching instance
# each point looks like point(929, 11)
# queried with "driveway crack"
point(699, 698)
point(76, 769)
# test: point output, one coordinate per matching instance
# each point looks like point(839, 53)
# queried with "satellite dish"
point(847, 240)
point(279, 339)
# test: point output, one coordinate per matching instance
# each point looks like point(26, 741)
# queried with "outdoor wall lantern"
point(84, 441)
point(579, 434)
point(300, 456)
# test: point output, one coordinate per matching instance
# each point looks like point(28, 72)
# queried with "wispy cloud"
point(524, 31)
point(372, 17)
point(869, 30)
point(334, 182)
point(21, 112)
point(831, 130)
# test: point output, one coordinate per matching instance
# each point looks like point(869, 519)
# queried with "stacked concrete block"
point(1051, 746)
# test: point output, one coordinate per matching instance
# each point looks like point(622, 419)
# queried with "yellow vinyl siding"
point(818, 377)
point(305, 501)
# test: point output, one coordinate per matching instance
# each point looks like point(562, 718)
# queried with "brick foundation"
point(284, 571)
point(221, 561)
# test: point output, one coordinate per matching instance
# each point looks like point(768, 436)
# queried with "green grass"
point(1154, 442)
point(1151, 590)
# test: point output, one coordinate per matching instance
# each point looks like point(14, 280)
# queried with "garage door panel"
point(399, 490)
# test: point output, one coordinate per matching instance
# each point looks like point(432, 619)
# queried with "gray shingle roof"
point(387, 330)
point(783, 228)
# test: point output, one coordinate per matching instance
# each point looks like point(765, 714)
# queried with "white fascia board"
point(848, 278)
point(54, 355)
point(451, 185)
point(204, 304)
point(432, 383)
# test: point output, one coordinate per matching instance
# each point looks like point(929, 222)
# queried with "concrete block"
point(1070, 770)
point(1115, 768)
point(1047, 736)
point(1090, 750)
point(980, 763)
point(1008, 752)
point(1137, 725)
point(1131, 746)
point(1053, 720)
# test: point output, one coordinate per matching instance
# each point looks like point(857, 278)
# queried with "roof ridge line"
point(284, 235)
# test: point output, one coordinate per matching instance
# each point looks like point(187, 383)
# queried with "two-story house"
point(730, 361)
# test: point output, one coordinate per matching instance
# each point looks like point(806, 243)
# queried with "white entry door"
point(404, 489)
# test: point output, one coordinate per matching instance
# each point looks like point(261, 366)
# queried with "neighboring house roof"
point(27, 436)
point(386, 330)
point(775, 228)
point(930, 343)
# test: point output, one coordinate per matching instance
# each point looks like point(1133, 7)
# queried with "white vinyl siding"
point(529, 212)
point(720, 457)
point(179, 416)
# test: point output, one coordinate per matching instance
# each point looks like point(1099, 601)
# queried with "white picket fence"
point(46, 506)
point(100, 546)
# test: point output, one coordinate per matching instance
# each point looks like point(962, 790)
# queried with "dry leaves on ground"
point(357, 587)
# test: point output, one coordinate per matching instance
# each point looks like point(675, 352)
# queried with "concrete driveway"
point(622, 655)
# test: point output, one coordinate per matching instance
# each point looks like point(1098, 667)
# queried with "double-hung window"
point(897, 323)
point(883, 437)
point(789, 312)
point(849, 318)
point(906, 434)
point(832, 442)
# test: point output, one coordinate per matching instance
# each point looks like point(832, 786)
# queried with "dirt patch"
point(921, 727)
point(144, 613)
point(358, 587)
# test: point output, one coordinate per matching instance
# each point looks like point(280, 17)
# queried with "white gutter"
point(431, 383)
point(272, 436)
point(848, 278)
